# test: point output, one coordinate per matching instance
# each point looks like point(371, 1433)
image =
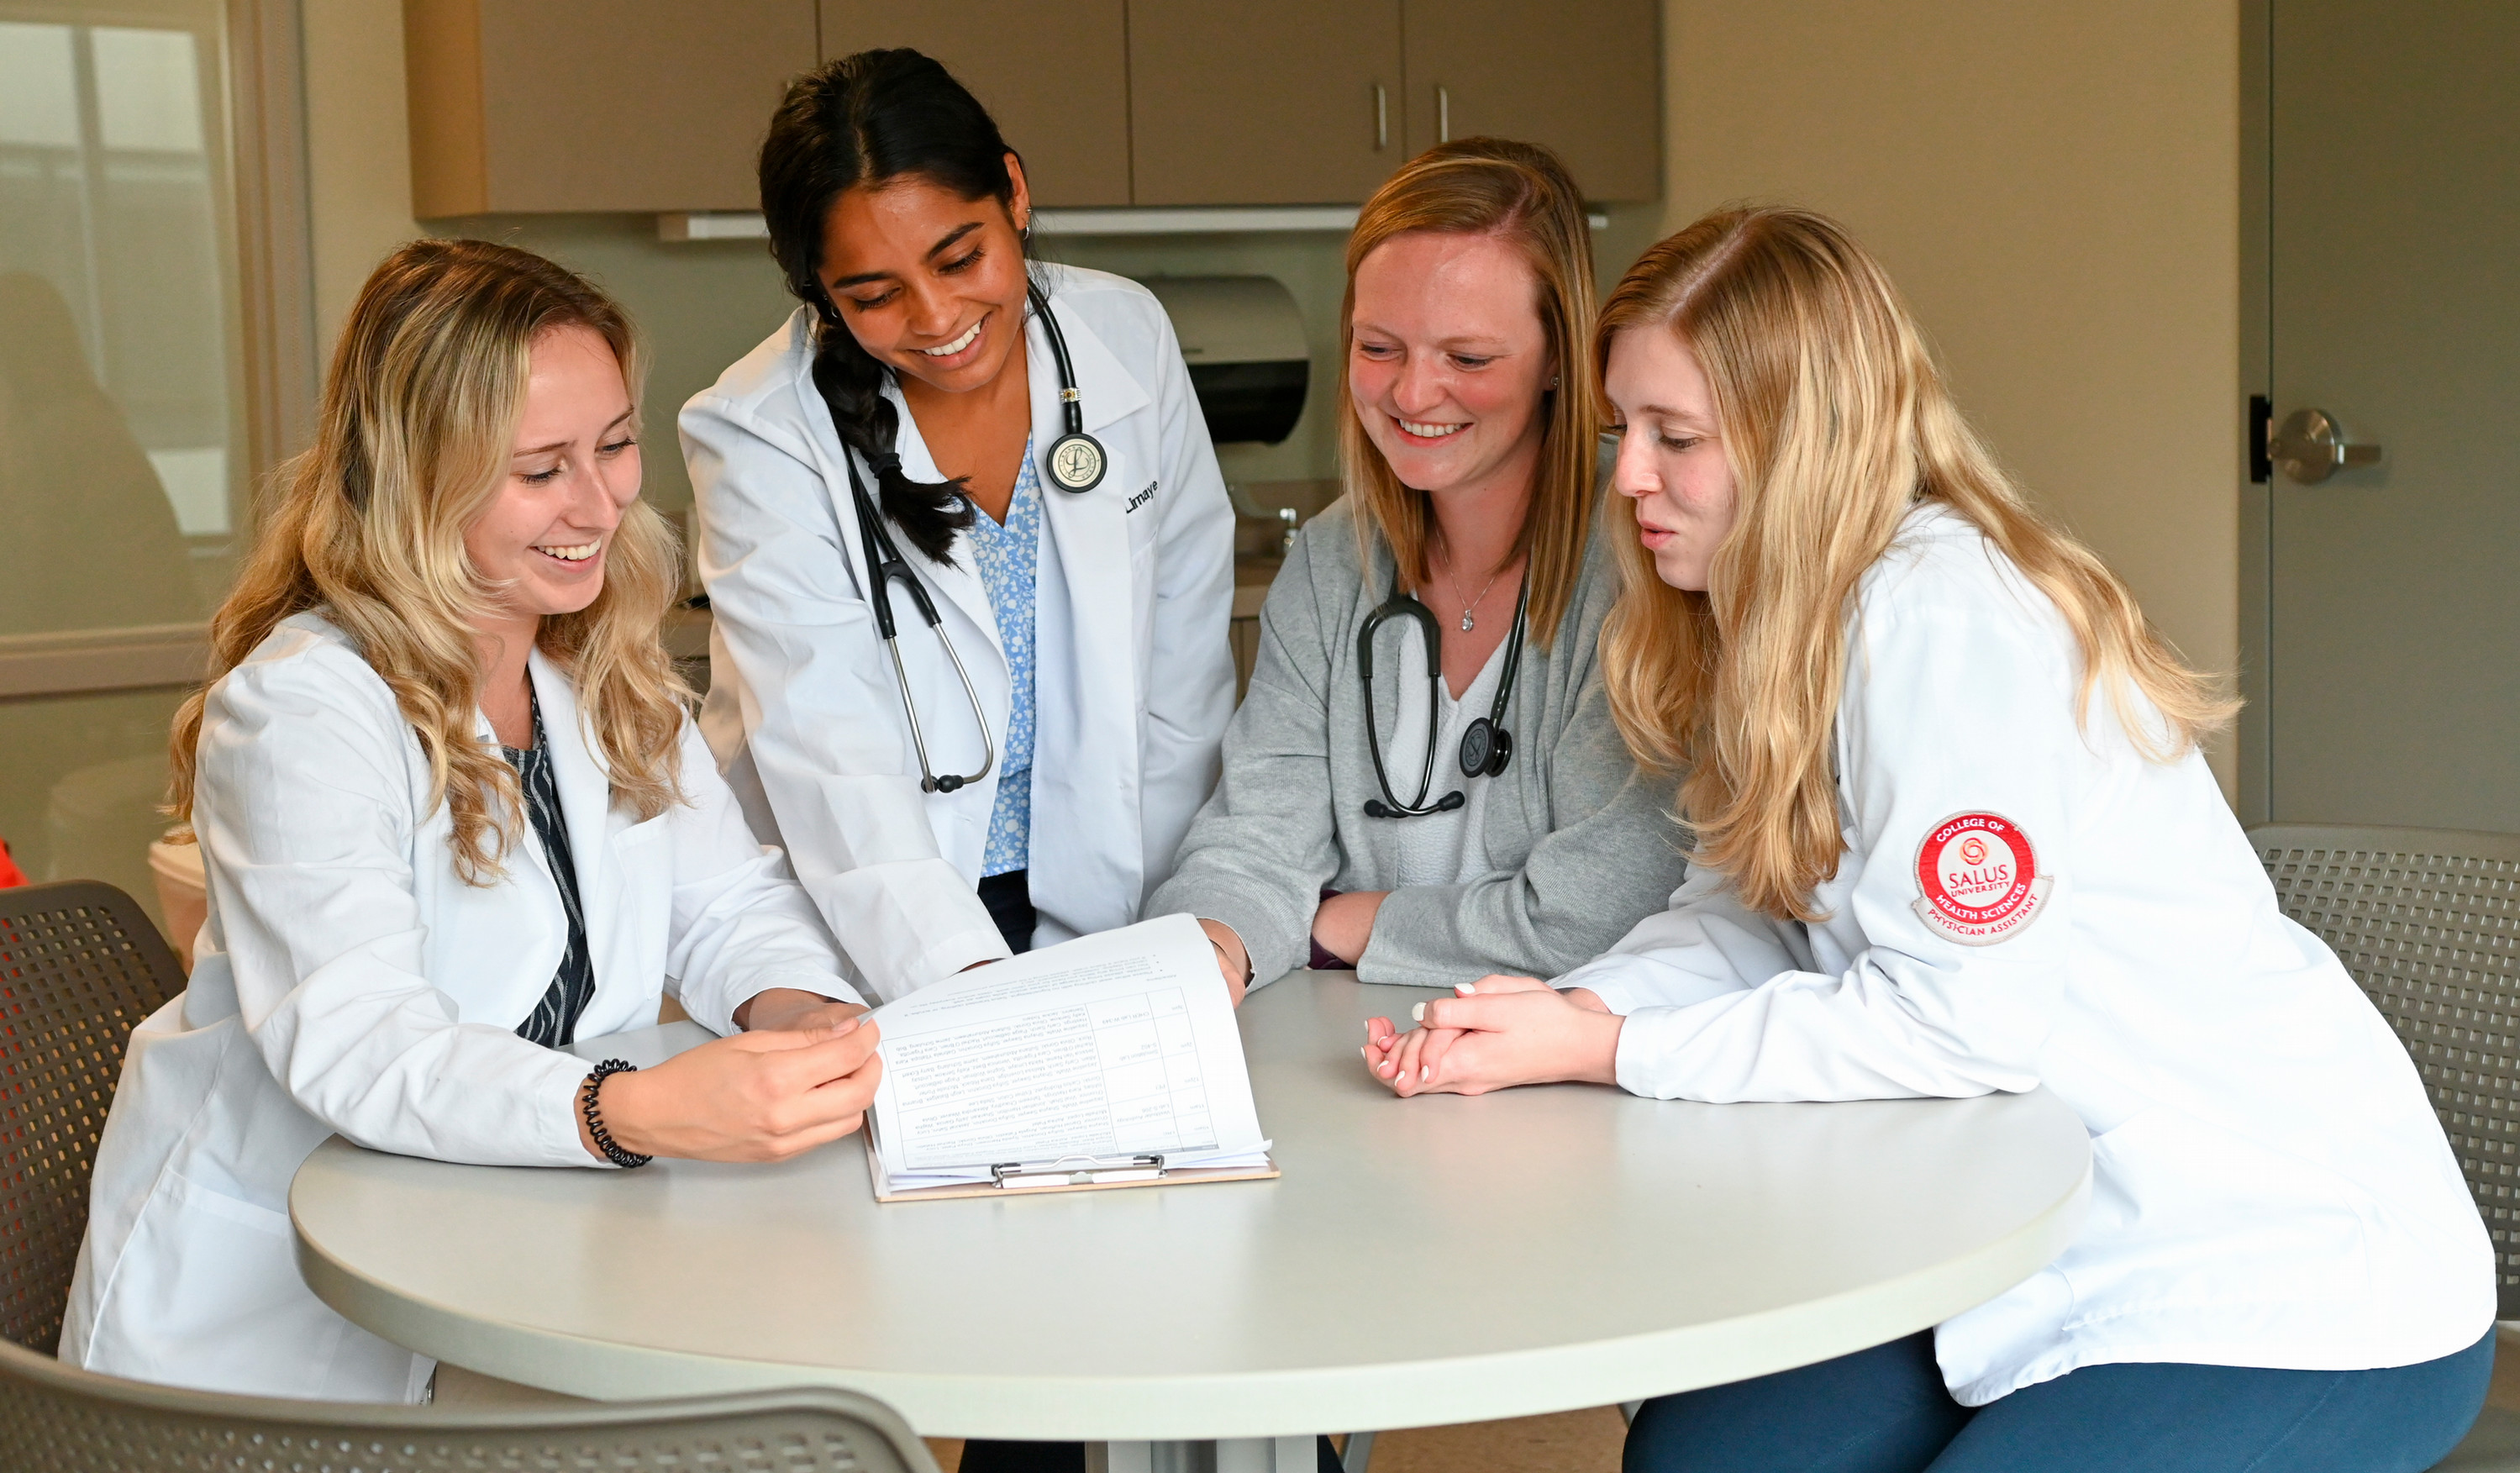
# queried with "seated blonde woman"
point(1954, 835)
point(454, 815)
point(1427, 738)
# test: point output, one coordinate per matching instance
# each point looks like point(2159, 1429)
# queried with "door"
point(1584, 79)
point(1055, 73)
point(1240, 102)
point(2393, 666)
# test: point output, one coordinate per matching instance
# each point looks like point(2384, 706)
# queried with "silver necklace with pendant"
point(1469, 622)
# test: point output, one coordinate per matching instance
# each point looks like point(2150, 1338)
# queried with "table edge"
point(1245, 1405)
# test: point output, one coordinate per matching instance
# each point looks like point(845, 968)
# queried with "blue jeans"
point(1884, 1410)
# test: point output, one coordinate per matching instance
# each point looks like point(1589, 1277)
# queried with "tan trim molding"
point(83, 660)
point(275, 247)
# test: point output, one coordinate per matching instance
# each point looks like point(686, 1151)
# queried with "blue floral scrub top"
point(1009, 558)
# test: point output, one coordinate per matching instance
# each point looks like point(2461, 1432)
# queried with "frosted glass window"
point(148, 90)
point(38, 89)
point(120, 440)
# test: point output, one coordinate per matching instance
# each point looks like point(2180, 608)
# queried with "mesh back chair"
point(79, 966)
point(66, 1421)
point(2427, 922)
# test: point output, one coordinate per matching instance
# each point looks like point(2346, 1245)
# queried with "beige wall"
point(2056, 189)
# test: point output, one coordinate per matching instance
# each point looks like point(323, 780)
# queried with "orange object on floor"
point(9, 873)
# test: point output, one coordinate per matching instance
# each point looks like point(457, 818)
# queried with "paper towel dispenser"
point(1243, 339)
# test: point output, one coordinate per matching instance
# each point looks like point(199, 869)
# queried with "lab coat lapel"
point(523, 952)
point(1087, 705)
point(959, 580)
point(585, 805)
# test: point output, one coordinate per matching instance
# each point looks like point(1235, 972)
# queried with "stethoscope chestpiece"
point(1076, 460)
point(1486, 747)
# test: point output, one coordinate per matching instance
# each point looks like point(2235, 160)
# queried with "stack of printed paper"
point(1108, 1060)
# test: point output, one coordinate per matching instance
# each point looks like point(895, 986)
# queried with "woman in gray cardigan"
point(1470, 460)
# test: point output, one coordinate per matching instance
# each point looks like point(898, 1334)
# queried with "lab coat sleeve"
point(819, 694)
point(1949, 708)
point(1614, 852)
point(1189, 685)
point(1263, 846)
point(1706, 945)
point(741, 924)
point(305, 806)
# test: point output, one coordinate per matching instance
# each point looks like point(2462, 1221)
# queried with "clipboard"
point(1016, 1178)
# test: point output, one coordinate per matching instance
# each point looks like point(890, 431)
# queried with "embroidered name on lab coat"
point(1979, 879)
point(1143, 497)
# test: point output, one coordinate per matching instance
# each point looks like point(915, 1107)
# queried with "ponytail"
point(862, 120)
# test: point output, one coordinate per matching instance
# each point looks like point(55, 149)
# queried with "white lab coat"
point(2269, 1185)
point(1133, 671)
point(348, 981)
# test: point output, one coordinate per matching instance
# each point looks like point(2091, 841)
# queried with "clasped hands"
point(1494, 1034)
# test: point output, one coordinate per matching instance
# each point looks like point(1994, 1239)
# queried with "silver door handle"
point(1443, 115)
point(2310, 447)
point(1381, 119)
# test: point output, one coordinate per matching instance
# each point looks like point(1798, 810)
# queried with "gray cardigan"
point(1581, 845)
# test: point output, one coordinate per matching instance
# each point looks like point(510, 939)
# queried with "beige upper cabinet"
point(1263, 102)
point(1585, 79)
point(658, 105)
point(1055, 73)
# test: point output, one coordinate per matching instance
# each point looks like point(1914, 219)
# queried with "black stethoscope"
point(1486, 747)
point(1076, 462)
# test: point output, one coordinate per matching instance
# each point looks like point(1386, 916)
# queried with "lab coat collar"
point(1105, 390)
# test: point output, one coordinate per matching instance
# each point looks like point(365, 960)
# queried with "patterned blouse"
point(554, 1024)
point(1009, 557)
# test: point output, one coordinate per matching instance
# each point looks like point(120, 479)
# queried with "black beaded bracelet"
point(586, 1103)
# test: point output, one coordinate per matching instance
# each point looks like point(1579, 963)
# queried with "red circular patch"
point(1976, 869)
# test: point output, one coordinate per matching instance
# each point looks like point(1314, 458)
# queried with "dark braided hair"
point(864, 119)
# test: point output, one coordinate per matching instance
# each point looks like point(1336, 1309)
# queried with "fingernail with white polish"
point(1417, 1013)
point(1465, 989)
point(1425, 1072)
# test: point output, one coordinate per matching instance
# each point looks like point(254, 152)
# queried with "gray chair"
point(2427, 922)
point(80, 965)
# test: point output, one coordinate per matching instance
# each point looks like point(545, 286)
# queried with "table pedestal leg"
point(1241, 1454)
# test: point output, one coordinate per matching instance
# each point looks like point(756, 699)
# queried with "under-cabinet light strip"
point(733, 226)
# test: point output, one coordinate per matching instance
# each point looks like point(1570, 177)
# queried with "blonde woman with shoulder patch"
point(1425, 783)
point(455, 815)
point(1955, 836)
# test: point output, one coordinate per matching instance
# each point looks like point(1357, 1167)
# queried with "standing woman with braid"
point(1020, 766)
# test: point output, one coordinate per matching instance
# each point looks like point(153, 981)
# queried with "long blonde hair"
point(421, 406)
point(1834, 422)
point(1522, 194)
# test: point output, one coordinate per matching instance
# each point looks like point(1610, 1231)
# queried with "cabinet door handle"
point(1443, 113)
point(1381, 119)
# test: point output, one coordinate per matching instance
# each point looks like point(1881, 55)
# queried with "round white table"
point(1420, 1262)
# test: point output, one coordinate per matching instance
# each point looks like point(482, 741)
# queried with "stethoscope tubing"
point(1405, 605)
point(884, 561)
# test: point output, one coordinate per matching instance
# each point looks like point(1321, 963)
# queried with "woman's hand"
point(763, 1095)
point(1233, 957)
point(1344, 923)
point(1497, 1033)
